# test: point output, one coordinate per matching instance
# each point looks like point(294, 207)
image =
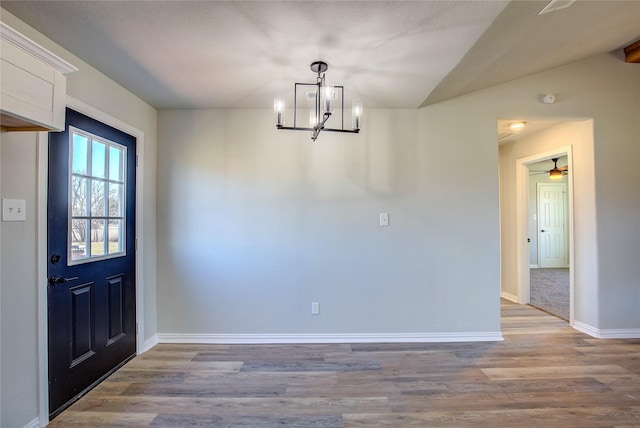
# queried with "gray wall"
point(255, 224)
point(18, 290)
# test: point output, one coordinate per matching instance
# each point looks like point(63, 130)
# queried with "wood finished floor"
point(543, 374)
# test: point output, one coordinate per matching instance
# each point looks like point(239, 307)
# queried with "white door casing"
point(522, 222)
point(43, 372)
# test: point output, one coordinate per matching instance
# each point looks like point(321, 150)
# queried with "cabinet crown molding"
point(21, 41)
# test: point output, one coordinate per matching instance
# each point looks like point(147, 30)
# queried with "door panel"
point(91, 254)
point(82, 323)
point(116, 309)
point(551, 218)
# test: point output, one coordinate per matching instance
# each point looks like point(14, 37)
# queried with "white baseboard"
point(609, 333)
point(620, 333)
point(586, 328)
point(35, 423)
point(538, 267)
point(511, 297)
point(246, 339)
point(148, 344)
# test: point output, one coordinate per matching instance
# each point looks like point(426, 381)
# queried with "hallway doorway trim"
point(522, 223)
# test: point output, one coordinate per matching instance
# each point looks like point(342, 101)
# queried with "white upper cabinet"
point(33, 84)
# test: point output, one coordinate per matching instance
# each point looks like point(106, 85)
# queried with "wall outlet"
point(315, 308)
point(14, 210)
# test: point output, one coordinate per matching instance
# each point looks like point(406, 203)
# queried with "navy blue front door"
point(91, 256)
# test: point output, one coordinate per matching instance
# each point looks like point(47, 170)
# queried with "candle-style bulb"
point(328, 97)
point(278, 108)
point(356, 114)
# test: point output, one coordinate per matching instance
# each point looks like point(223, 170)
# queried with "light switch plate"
point(384, 219)
point(14, 210)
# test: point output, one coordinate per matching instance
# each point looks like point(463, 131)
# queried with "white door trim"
point(43, 170)
point(522, 223)
point(41, 213)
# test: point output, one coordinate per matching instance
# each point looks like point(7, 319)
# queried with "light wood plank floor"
point(543, 374)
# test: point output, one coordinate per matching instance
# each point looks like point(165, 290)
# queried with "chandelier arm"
point(315, 134)
point(348, 131)
point(296, 128)
point(295, 103)
point(318, 123)
point(327, 115)
point(302, 128)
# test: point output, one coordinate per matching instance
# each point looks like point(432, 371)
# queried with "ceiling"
point(390, 54)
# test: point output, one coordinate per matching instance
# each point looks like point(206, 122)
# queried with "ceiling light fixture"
point(323, 97)
point(517, 126)
point(555, 173)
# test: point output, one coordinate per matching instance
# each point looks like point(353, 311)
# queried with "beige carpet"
point(550, 291)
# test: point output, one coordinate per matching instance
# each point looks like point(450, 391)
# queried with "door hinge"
point(136, 160)
point(136, 328)
point(136, 244)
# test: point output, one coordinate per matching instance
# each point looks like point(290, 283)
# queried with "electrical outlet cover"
point(315, 308)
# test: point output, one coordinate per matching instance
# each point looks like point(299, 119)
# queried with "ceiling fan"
point(555, 173)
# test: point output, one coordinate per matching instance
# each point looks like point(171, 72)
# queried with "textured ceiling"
point(391, 54)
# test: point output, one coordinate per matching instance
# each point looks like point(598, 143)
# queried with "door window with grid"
point(97, 198)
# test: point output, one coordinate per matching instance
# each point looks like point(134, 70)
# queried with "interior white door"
point(551, 224)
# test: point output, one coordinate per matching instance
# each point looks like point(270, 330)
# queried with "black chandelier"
point(324, 96)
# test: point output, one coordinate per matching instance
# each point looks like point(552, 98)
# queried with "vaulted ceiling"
point(391, 54)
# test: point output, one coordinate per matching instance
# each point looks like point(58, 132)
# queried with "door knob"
point(542, 230)
point(60, 280)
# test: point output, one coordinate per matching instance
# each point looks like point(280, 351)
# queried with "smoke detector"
point(548, 98)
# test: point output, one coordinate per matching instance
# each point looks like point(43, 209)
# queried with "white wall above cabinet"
point(32, 84)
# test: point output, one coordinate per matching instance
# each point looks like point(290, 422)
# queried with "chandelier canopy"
point(324, 97)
